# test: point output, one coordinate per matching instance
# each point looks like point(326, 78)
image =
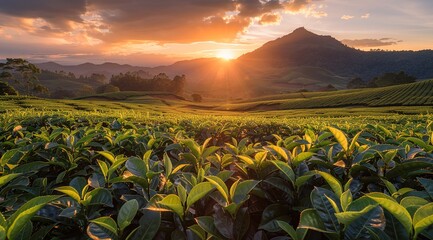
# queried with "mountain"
point(303, 48)
point(299, 60)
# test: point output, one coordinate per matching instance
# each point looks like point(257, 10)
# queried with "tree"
point(86, 90)
point(330, 87)
point(356, 83)
point(178, 84)
point(6, 89)
point(389, 79)
point(107, 88)
point(23, 73)
point(133, 81)
point(62, 94)
point(196, 97)
point(99, 78)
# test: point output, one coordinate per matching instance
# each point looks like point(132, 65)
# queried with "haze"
point(150, 33)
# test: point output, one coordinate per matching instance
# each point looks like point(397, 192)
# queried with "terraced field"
point(142, 166)
point(415, 94)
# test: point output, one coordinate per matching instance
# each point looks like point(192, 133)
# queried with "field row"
point(66, 176)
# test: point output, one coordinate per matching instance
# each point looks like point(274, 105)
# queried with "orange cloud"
point(168, 21)
point(362, 43)
point(347, 17)
point(270, 19)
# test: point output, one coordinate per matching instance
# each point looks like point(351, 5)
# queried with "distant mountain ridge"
point(299, 60)
point(304, 48)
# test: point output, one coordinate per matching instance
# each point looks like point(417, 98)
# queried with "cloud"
point(315, 11)
point(167, 21)
point(58, 13)
point(365, 16)
point(270, 19)
point(297, 5)
point(362, 43)
point(347, 17)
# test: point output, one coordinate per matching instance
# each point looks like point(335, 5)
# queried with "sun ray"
point(225, 54)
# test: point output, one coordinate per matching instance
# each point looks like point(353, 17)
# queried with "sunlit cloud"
point(364, 43)
point(313, 10)
point(347, 17)
point(365, 16)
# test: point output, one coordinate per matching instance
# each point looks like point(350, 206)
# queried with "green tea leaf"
point(242, 190)
point(198, 192)
point(332, 181)
point(149, 225)
point(304, 156)
point(286, 170)
point(99, 196)
point(106, 222)
point(341, 138)
point(19, 218)
point(288, 229)
point(280, 151)
point(207, 224)
point(7, 178)
point(108, 155)
point(398, 211)
point(423, 218)
point(70, 191)
point(137, 167)
point(127, 213)
point(173, 203)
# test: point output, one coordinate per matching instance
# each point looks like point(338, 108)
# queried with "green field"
point(136, 165)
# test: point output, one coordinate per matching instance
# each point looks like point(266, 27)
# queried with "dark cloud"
point(162, 21)
point(370, 42)
point(56, 12)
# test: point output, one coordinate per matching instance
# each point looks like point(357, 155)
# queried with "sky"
point(160, 32)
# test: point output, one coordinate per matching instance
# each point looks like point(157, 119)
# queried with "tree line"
point(20, 76)
point(132, 81)
point(384, 80)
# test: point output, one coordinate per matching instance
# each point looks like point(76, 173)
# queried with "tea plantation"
point(154, 172)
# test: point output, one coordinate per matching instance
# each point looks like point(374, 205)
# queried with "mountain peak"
point(302, 30)
point(301, 47)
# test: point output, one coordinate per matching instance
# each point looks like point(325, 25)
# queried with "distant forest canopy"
point(93, 79)
point(23, 75)
point(132, 81)
point(384, 80)
point(18, 76)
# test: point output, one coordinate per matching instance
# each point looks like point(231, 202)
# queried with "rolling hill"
point(412, 98)
point(299, 60)
point(414, 94)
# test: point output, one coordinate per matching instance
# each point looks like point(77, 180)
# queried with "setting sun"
point(225, 54)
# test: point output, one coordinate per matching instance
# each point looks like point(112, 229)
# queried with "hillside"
point(414, 94)
point(413, 98)
point(299, 60)
point(304, 48)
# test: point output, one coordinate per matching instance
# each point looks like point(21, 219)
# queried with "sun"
point(225, 54)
